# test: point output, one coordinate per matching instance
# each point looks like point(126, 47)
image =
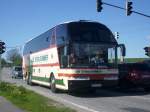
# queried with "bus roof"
point(71, 26)
point(67, 22)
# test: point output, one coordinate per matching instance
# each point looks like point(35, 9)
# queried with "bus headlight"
point(111, 78)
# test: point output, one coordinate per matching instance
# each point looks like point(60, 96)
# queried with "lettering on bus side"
point(89, 72)
point(40, 58)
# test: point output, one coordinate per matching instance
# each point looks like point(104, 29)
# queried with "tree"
point(14, 56)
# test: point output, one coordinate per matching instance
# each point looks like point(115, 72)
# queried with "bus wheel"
point(53, 84)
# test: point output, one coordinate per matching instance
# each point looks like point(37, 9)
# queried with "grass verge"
point(29, 100)
point(133, 60)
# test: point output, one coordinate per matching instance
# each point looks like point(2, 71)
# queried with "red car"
point(133, 75)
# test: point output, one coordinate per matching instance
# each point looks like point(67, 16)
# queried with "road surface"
point(6, 106)
point(101, 101)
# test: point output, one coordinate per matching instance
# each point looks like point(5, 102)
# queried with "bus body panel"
point(45, 54)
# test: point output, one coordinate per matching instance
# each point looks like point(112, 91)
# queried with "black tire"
point(147, 89)
point(53, 84)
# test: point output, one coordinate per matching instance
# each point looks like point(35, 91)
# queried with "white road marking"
point(80, 106)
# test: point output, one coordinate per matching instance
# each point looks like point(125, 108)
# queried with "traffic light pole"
point(141, 14)
point(125, 9)
point(114, 6)
point(0, 70)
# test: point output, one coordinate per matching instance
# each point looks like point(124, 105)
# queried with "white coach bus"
point(72, 56)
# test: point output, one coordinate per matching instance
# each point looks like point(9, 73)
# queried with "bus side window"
point(61, 35)
point(64, 61)
point(53, 37)
point(62, 57)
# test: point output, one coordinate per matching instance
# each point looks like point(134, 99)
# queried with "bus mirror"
point(124, 52)
point(123, 49)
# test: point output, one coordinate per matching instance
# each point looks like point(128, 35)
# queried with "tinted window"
point(90, 32)
point(53, 37)
point(38, 43)
point(61, 34)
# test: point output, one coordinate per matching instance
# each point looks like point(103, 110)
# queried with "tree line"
point(13, 58)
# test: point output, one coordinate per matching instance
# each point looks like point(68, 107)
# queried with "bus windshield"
point(90, 44)
point(87, 55)
point(90, 32)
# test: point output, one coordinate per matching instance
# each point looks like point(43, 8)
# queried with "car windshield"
point(18, 69)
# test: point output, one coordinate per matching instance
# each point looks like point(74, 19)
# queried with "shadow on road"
point(110, 93)
point(130, 109)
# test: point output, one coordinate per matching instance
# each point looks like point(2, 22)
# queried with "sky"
point(21, 20)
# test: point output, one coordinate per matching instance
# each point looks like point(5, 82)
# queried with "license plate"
point(111, 78)
point(96, 85)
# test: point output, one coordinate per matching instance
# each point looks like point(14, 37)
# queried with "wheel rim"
point(53, 84)
point(53, 81)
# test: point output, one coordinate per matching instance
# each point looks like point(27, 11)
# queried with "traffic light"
point(128, 8)
point(99, 5)
point(2, 47)
point(147, 51)
point(117, 35)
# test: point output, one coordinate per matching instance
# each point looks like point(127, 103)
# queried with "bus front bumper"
point(87, 84)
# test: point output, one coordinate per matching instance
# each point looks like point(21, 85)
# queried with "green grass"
point(29, 100)
point(132, 60)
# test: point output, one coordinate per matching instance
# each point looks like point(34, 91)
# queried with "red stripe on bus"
point(91, 76)
point(102, 68)
point(46, 65)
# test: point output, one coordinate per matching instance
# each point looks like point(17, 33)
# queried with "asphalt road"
point(6, 106)
point(101, 101)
